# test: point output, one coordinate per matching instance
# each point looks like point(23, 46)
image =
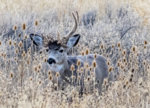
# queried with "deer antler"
point(76, 18)
point(63, 42)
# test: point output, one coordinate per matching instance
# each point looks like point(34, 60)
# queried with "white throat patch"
point(57, 68)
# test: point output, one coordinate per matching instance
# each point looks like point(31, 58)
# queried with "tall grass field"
point(119, 30)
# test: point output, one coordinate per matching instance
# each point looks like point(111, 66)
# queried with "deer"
point(59, 61)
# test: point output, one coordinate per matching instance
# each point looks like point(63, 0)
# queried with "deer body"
point(100, 70)
point(60, 62)
point(66, 73)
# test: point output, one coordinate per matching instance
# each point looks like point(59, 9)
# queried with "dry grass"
point(120, 34)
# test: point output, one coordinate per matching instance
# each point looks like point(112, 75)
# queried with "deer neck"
point(61, 68)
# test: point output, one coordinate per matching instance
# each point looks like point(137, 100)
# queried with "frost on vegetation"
point(118, 35)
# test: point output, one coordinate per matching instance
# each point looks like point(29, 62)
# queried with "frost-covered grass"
point(119, 33)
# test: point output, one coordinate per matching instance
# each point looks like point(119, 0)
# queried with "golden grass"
point(23, 84)
point(63, 6)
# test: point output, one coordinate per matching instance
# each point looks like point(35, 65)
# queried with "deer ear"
point(73, 40)
point(37, 39)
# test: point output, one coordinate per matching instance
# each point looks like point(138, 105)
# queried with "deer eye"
point(61, 50)
point(47, 50)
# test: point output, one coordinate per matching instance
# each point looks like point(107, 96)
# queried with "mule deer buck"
point(59, 61)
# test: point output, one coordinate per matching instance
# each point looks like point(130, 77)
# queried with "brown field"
point(120, 33)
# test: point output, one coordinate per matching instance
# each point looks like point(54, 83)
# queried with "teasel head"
point(45, 60)
point(35, 69)
point(145, 42)
point(20, 44)
point(79, 45)
point(108, 62)
point(107, 55)
point(126, 63)
point(124, 52)
point(57, 74)
point(95, 55)
point(24, 26)
point(130, 79)
point(145, 46)
point(39, 66)
point(144, 62)
point(15, 43)
point(88, 79)
point(30, 78)
point(4, 55)
point(16, 51)
point(86, 51)
point(10, 42)
point(134, 49)
point(131, 75)
point(25, 37)
point(15, 28)
point(119, 45)
point(122, 66)
point(148, 67)
point(86, 65)
point(101, 46)
point(82, 53)
point(28, 61)
point(124, 60)
point(90, 69)
point(110, 69)
point(127, 82)
point(94, 64)
point(36, 23)
point(49, 72)
point(124, 86)
point(78, 63)
point(23, 54)
point(19, 35)
point(40, 82)
point(15, 59)
point(50, 77)
point(113, 46)
point(79, 78)
point(72, 68)
point(82, 69)
point(133, 70)
point(105, 81)
point(11, 75)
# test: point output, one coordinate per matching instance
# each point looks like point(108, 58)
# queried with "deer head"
point(57, 49)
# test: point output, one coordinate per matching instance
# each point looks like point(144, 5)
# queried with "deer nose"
point(51, 61)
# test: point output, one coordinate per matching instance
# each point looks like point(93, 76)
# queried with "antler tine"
point(58, 37)
point(74, 28)
point(77, 16)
